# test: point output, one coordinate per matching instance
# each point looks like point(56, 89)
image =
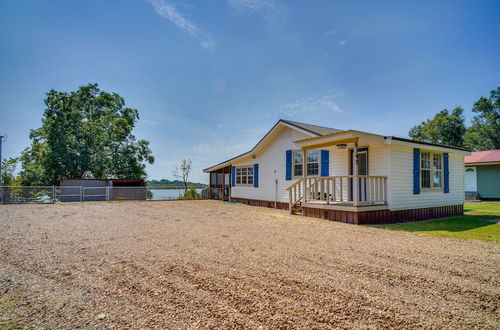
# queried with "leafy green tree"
point(446, 127)
point(86, 133)
point(191, 193)
point(8, 170)
point(484, 133)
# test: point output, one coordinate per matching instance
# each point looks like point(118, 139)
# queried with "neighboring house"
point(309, 169)
point(482, 175)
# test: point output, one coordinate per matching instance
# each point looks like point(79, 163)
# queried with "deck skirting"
point(256, 202)
point(384, 216)
point(368, 216)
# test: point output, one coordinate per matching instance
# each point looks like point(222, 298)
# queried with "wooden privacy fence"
point(349, 189)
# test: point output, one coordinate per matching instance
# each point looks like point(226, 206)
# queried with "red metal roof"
point(488, 156)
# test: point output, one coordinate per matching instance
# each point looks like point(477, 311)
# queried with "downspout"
point(275, 191)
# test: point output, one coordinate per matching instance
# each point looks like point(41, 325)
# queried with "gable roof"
point(318, 130)
point(311, 130)
point(488, 156)
point(350, 135)
point(428, 143)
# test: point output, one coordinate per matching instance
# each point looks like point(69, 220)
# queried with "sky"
point(211, 77)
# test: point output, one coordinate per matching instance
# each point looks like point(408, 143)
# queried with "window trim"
point(432, 171)
point(296, 151)
point(240, 167)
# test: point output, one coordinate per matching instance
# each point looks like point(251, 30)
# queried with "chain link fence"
point(53, 194)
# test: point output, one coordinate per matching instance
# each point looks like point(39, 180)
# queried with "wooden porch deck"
point(345, 206)
point(354, 193)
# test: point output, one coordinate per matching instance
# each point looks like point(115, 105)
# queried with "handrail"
point(295, 195)
point(370, 189)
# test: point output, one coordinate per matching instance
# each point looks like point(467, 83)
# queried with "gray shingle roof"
point(314, 129)
point(319, 130)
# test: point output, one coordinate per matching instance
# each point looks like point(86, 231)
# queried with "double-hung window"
point(244, 175)
point(312, 162)
point(298, 163)
point(431, 170)
point(437, 169)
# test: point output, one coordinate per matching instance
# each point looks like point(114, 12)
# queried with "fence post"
point(53, 194)
point(107, 193)
point(81, 193)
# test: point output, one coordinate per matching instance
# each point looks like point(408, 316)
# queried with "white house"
point(309, 169)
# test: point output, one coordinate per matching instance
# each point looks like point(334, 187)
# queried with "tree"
point(183, 173)
point(191, 193)
point(484, 133)
point(444, 128)
point(85, 134)
point(8, 168)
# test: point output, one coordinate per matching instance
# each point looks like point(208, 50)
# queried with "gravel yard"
point(204, 264)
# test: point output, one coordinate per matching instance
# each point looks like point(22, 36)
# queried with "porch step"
point(296, 209)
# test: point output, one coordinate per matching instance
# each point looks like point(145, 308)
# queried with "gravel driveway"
point(205, 264)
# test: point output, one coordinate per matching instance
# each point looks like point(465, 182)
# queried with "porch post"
point(355, 194)
point(209, 192)
point(223, 183)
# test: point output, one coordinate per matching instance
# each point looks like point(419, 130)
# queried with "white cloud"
point(253, 5)
point(168, 11)
point(220, 148)
point(342, 43)
point(329, 33)
point(271, 10)
point(208, 44)
point(324, 101)
point(217, 149)
point(147, 122)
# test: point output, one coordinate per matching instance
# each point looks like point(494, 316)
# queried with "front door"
point(470, 179)
point(362, 170)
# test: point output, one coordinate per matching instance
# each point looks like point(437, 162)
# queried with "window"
point(312, 157)
point(425, 169)
point(363, 163)
point(244, 175)
point(431, 170)
point(438, 170)
point(298, 163)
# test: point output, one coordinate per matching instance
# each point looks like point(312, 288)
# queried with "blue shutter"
point(288, 174)
point(233, 176)
point(325, 163)
point(446, 167)
point(256, 175)
point(416, 171)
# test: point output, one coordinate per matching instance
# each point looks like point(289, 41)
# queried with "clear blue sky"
point(211, 77)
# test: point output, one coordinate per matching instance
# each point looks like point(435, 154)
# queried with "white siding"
point(378, 162)
point(272, 163)
point(401, 184)
point(395, 162)
point(377, 158)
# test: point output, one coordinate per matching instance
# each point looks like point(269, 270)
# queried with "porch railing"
point(355, 190)
point(218, 193)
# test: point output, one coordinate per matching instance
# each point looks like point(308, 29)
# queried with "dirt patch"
point(191, 264)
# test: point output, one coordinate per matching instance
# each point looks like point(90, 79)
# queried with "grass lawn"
point(477, 224)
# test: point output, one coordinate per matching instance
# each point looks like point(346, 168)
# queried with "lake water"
point(162, 194)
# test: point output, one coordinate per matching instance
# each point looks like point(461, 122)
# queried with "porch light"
point(342, 146)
